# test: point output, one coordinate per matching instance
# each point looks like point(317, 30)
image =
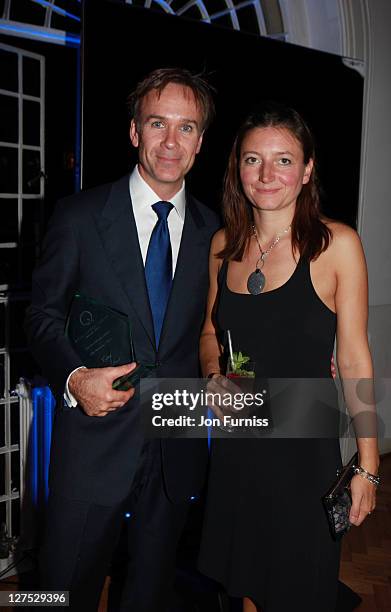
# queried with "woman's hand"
point(222, 387)
point(363, 499)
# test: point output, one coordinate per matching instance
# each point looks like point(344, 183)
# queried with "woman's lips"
point(267, 191)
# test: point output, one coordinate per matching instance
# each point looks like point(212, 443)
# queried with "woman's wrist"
point(212, 374)
point(369, 467)
point(369, 463)
point(371, 477)
point(368, 454)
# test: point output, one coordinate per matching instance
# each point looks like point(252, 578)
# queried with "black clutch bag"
point(338, 500)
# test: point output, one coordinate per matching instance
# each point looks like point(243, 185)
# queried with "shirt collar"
point(143, 196)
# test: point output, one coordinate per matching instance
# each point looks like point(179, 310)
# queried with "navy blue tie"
point(158, 267)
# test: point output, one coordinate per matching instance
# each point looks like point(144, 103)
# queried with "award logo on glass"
point(102, 337)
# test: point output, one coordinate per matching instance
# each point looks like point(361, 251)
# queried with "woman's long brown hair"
point(310, 235)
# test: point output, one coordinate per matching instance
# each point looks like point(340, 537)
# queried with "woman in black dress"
point(266, 536)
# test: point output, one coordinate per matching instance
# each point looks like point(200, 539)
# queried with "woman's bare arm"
point(210, 350)
point(354, 358)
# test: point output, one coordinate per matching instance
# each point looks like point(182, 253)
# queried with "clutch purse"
point(338, 500)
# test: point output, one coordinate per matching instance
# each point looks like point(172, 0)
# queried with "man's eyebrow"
point(163, 118)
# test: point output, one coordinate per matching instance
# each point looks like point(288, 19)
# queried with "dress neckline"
point(287, 282)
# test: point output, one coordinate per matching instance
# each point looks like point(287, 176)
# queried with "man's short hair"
point(160, 78)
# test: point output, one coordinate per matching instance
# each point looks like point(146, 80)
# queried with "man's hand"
point(92, 389)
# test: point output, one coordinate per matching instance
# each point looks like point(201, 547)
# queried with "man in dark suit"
point(139, 245)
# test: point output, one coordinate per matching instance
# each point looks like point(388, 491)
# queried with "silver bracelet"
point(375, 480)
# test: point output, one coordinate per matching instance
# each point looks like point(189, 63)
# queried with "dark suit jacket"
point(92, 247)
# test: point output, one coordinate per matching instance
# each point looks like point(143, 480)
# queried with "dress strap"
point(222, 274)
point(303, 272)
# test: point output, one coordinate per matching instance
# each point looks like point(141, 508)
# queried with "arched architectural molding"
point(335, 26)
point(313, 23)
point(355, 28)
point(59, 22)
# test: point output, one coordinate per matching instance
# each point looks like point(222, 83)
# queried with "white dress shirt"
point(145, 217)
point(143, 197)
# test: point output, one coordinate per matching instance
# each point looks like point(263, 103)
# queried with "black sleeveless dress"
point(266, 534)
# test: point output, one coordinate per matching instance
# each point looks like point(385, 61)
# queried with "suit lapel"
point(119, 236)
point(193, 243)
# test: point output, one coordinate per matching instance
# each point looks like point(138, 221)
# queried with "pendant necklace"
point(256, 281)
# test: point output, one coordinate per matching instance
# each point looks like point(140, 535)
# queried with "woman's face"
point(272, 168)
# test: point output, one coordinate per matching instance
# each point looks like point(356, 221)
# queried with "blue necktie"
point(158, 267)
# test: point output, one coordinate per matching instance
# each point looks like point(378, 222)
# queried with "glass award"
point(100, 335)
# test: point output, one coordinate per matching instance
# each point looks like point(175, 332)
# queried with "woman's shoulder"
point(216, 247)
point(218, 241)
point(340, 232)
point(345, 241)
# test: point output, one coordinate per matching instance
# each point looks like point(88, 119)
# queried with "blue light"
point(36, 393)
point(47, 417)
point(40, 440)
point(193, 497)
point(165, 5)
point(77, 177)
point(210, 415)
point(56, 9)
point(127, 515)
point(67, 38)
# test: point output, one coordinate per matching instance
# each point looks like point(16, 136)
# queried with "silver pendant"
point(256, 282)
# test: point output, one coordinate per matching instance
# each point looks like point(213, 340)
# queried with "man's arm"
point(55, 281)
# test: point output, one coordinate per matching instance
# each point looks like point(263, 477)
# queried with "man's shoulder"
point(210, 216)
point(88, 200)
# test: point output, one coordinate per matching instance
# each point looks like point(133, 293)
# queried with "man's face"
point(168, 138)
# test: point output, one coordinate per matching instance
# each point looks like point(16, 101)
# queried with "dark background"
point(122, 43)
point(59, 143)
point(16, 265)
